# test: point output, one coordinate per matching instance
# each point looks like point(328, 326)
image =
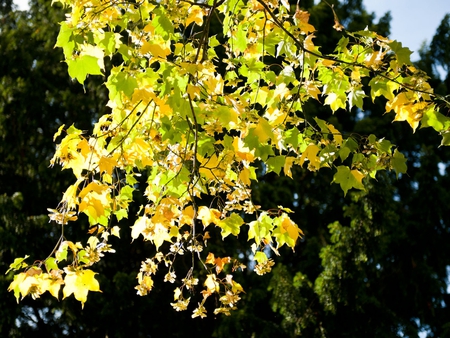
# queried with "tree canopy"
point(209, 102)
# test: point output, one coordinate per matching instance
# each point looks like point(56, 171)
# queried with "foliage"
point(197, 117)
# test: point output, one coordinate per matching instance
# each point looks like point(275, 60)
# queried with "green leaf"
point(163, 26)
point(347, 147)
point(445, 138)
point(398, 163)
point(322, 125)
point(348, 179)
point(356, 97)
point(293, 137)
point(80, 67)
point(205, 145)
point(67, 40)
point(17, 264)
point(380, 86)
point(126, 193)
point(402, 53)
point(120, 82)
point(275, 164)
point(61, 254)
point(120, 214)
point(241, 38)
point(261, 228)
point(108, 43)
point(434, 119)
point(231, 225)
point(50, 264)
point(260, 257)
point(226, 115)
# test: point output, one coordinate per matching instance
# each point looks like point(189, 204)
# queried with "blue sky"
point(413, 21)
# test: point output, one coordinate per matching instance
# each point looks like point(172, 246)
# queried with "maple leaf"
point(200, 311)
point(211, 283)
point(401, 53)
point(81, 66)
point(310, 153)
point(155, 49)
point(107, 164)
point(275, 164)
point(348, 179)
point(52, 283)
point(231, 225)
point(398, 163)
point(218, 262)
point(335, 101)
point(261, 228)
point(406, 110)
point(289, 161)
point(302, 18)
point(208, 216)
point(79, 283)
point(286, 231)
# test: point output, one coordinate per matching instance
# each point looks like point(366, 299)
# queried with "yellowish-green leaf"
point(398, 163)
point(286, 231)
point(348, 179)
point(231, 225)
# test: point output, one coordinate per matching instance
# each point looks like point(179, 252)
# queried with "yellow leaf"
point(312, 90)
point(157, 50)
point(176, 293)
point(187, 215)
point(15, 285)
point(211, 283)
point(287, 232)
point(244, 176)
point(160, 234)
point(358, 176)
point(95, 200)
point(310, 153)
point(212, 167)
point(193, 91)
point(263, 130)
point(208, 216)
point(406, 110)
point(79, 283)
point(58, 132)
point(115, 231)
point(336, 134)
point(94, 186)
point(242, 151)
point(218, 262)
point(308, 43)
point(210, 259)
point(288, 165)
point(142, 95)
point(107, 164)
point(374, 60)
point(139, 226)
point(335, 101)
point(195, 14)
point(52, 283)
point(301, 19)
